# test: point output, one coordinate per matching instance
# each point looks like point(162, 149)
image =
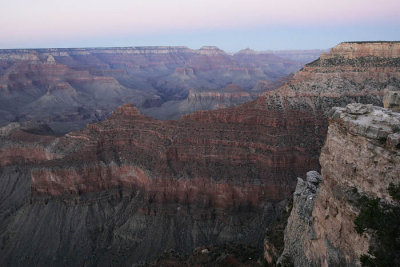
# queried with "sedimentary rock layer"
point(222, 152)
point(361, 156)
point(221, 173)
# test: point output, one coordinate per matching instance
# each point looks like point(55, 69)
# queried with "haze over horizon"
point(231, 25)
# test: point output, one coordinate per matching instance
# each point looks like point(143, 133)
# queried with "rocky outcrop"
point(391, 100)
point(341, 77)
point(300, 223)
point(360, 156)
point(378, 49)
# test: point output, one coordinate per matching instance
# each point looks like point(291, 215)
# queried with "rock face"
point(339, 76)
point(173, 157)
point(366, 49)
point(359, 156)
point(146, 185)
point(299, 225)
point(68, 88)
point(391, 100)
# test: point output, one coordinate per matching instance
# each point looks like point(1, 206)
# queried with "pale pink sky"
point(35, 22)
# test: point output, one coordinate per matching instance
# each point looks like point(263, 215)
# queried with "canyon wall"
point(145, 185)
point(361, 156)
point(339, 77)
point(125, 189)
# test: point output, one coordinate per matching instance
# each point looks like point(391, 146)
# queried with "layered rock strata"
point(145, 185)
point(340, 77)
point(131, 150)
point(149, 185)
point(361, 156)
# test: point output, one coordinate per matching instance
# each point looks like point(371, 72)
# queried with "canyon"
point(69, 88)
point(124, 190)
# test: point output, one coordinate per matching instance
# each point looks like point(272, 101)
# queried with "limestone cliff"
point(361, 156)
point(365, 49)
point(339, 77)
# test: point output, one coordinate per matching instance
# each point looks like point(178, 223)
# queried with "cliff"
point(361, 156)
point(340, 76)
point(351, 50)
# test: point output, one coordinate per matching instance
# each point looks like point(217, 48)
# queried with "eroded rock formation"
point(361, 156)
point(391, 100)
point(197, 181)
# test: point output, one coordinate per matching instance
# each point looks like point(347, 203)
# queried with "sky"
point(229, 24)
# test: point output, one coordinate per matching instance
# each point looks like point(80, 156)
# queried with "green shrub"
point(382, 220)
point(382, 140)
point(394, 192)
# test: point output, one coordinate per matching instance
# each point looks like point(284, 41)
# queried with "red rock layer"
point(17, 146)
point(247, 154)
point(227, 158)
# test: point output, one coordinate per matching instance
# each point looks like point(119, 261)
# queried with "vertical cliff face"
point(361, 156)
point(340, 77)
point(365, 49)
